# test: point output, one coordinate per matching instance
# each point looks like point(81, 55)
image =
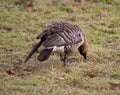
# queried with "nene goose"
point(57, 36)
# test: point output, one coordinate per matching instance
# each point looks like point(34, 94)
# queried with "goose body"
point(60, 36)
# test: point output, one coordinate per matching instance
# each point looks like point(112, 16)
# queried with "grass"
point(19, 26)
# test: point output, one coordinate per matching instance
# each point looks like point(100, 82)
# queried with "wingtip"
point(25, 61)
point(33, 51)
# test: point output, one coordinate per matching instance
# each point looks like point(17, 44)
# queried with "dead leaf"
point(11, 71)
point(60, 78)
point(30, 5)
point(47, 11)
point(90, 74)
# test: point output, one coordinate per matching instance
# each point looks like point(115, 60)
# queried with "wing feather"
point(54, 40)
point(59, 34)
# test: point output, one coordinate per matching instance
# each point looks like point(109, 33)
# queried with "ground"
point(21, 22)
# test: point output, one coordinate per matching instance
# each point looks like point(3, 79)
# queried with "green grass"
point(99, 75)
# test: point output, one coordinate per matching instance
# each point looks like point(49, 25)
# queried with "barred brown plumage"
point(60, 35)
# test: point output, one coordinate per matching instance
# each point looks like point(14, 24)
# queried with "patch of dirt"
point(115, 86)
point(5, 29)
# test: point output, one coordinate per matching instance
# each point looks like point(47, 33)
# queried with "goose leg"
point(65, 58)
point(66, 52)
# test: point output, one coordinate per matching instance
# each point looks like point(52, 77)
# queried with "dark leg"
point(61, 57)
point(65, 57)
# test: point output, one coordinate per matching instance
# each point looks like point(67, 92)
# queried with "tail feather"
point(44, 54)
point(33, 51)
